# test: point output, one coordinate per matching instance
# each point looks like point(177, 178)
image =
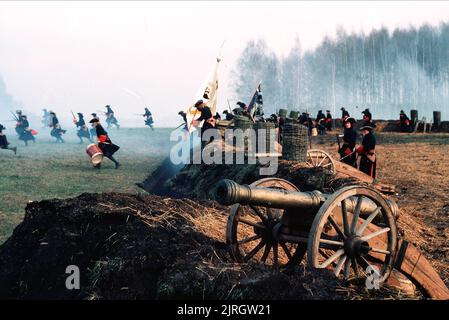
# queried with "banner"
point(208, 92)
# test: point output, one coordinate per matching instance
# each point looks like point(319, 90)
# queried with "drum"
point(95, 154)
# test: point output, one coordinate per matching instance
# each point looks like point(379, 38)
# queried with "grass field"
point(46, 169)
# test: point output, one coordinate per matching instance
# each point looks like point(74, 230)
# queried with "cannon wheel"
point(319, 158)
point(341, 240)
point(251, 231)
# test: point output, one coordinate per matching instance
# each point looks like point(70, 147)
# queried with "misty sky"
point(84, 55)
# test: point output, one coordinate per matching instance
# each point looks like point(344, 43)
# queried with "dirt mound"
point(199, 181)
point(127, 247)
point(143, 247)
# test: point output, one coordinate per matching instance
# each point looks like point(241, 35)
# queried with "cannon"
point(352, 231)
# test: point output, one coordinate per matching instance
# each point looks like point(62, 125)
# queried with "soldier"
point(344, 115)
point(242, 109)
point(26, 133)
point(83, 131)
point(4, 144)
point(367, 117)
point(367, 152)
point(347, 150)
point(229, 116)
point(18, 124)
point(320, 122)
point(110, 118)
point(328, 120)
point(104, 143)
point(56, 130)
point(404, 122)
point(303, 119)
point(209, 121)
point(149, 118)
point(93, 132)
point(184, 118)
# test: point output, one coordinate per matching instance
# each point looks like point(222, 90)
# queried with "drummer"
point(104, 143)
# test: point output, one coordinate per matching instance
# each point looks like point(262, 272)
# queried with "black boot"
point(117, 164)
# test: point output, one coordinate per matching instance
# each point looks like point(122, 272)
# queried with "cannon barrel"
point(229, 192)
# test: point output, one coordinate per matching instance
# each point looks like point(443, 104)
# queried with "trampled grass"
point(46, 169)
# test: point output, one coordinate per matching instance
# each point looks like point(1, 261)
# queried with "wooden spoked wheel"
point(347, 243)
point(319, 158)
point(252, 231)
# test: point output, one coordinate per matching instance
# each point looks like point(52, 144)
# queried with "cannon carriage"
point(319, 158)
point(352, 232)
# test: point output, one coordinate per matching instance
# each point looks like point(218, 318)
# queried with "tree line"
point(386, 71)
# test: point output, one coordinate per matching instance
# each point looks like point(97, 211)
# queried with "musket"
point(182, 124)
point(73, 115)
point(229, 106)
point(15, 117)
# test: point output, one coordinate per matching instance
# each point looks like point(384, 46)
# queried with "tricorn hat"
point(94, 120)
point(370, 128)
point(342, 108)
point(2, 127)
point(198, 103)
point(241, 104)
point(328, 111)
point(350, 119)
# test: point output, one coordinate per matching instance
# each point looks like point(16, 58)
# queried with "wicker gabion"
point(294, 114)
point(294, 142)
point(283, 113)
point(243, 123)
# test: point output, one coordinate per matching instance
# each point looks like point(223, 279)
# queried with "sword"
point(348, 155)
